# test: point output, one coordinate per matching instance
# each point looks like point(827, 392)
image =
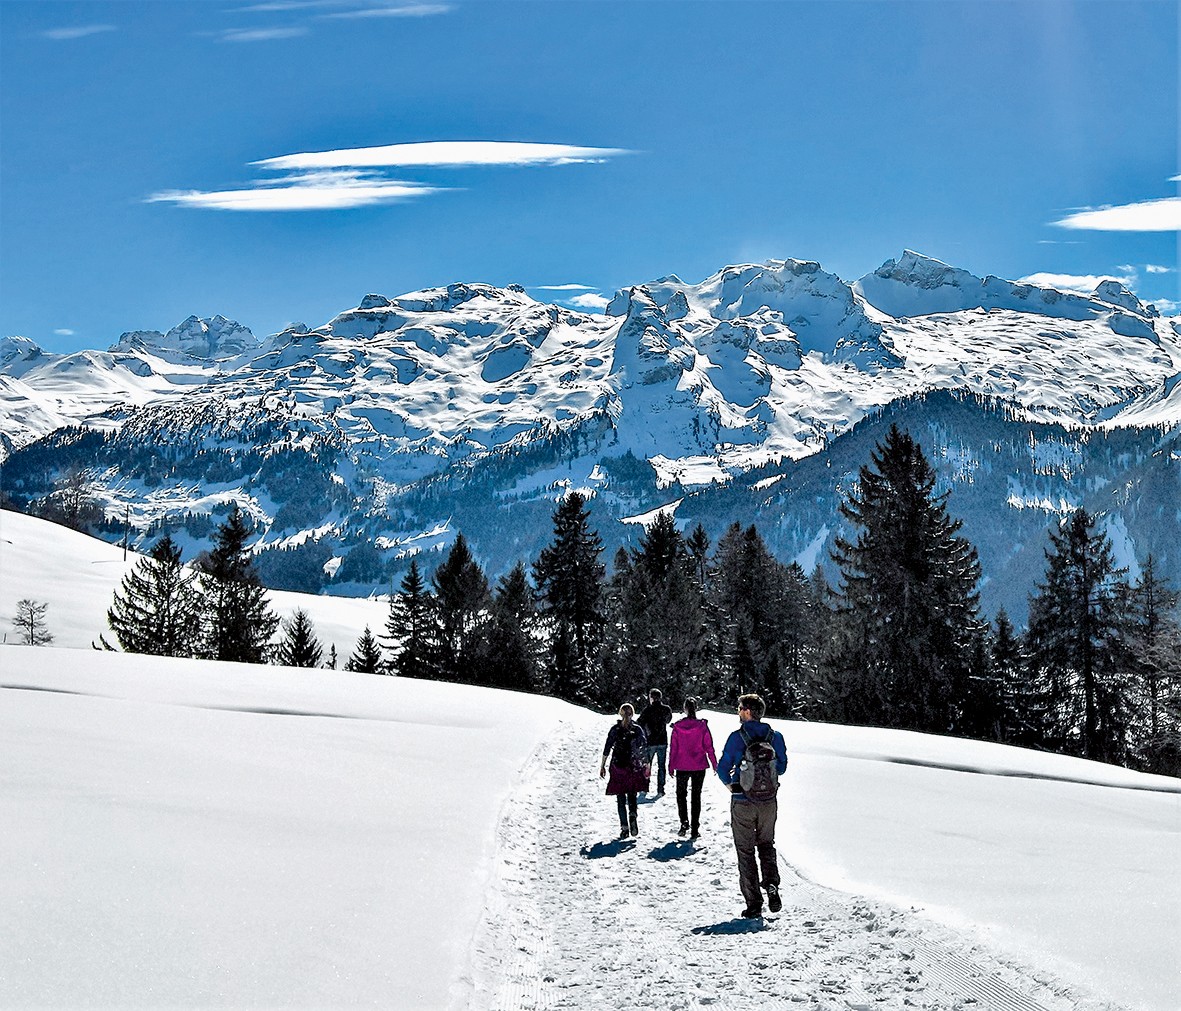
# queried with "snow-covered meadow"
point(184, 833)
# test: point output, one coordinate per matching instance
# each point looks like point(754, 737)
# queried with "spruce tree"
point(1076, 643)
point(1155, 641)
point(660, 631)
point(299, 646)
point(512, 654)
point(366, 658)
point(158, 608)
point(1020, 718)
point(462, 600)
point(568, 576)
point(240, 621)
point(909, 595)
point(411, 630)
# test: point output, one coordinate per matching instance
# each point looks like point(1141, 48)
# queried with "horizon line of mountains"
point(749, 397)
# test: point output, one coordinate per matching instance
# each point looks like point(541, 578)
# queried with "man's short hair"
point(754, 704)
point(654, 695)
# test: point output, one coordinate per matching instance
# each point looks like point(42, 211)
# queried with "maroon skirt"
point(626, 779)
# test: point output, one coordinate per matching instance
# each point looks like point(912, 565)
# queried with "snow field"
point(577, 918)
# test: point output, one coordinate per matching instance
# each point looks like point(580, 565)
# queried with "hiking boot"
point(752, 913)
point(635, 829)
point(695, 834)
point(774, 902)
point(683, 829)
point(623, 832)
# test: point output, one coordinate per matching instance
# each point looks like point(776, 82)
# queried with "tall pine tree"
point(411, 631)
point(1076, 643)
point(462, 601)
point(909, 595)
point(512, 659)
point(240, 622)
point(158, 608)
point(568, 576)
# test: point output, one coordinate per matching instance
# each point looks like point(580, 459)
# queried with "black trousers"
point(627, 809)
point(684, 781)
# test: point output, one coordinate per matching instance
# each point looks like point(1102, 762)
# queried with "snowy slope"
point(187, 833)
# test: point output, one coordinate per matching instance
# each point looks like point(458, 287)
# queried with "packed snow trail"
point(577, 918)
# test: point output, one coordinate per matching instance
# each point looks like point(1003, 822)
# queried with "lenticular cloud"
point(445, 153)
point(332, 180)
point(316, 191)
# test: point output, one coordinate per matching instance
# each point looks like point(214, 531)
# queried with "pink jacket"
point(691, 746)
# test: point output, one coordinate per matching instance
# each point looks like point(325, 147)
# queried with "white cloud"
point(331, 180)
point(1153, 268)
point(1084, 283)
point(1163, 215)
point(1167, 306)
point(564, 287)
point(64, 332)
point(448, 153)
point(400, 11)
point(261, 34)
point(79, 32)
point(316, 191)
point(591, 301)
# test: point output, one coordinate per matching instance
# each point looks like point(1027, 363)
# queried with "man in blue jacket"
point(753, 822)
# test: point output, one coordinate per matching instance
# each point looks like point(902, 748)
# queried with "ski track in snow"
point(577, 918)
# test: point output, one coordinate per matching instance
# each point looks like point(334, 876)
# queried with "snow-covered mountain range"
point(680, 393)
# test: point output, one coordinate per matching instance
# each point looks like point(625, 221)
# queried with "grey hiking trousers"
point(754, 833)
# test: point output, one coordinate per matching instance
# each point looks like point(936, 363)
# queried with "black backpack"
point(757, 774)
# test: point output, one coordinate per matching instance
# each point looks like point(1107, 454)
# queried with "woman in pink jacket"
point(690, 753)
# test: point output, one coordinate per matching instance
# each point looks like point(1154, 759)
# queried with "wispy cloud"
point(1166, 306)
point(445, 153)
point(64, 332)
point(564, 287)
point(1083, 283)
point(396, 11)
point(76, 32)
point(1163, 215)
point(261, 34)
point(314, 191)
point(285, 6)
point(1155, 268)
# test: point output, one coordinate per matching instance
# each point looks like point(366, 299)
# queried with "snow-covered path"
point(576, 918)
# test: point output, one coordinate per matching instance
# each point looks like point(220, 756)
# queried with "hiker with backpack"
point(627, 744)
point(690, 753)
point(752, 761)
point(655, 718)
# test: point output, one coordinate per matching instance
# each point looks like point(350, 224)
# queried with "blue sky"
point(275, 161)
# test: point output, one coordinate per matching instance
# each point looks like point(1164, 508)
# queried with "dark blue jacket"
point(731, 760)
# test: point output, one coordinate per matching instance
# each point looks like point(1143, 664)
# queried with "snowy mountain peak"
point(1117, 293)
point(213, 339)
point(17, 350)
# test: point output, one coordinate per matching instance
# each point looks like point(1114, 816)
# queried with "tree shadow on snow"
point(607, 849)
point(739, 925)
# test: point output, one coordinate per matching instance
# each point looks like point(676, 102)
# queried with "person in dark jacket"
point(627, 746)
point(690, 753)
point(753, 822)
point(655, 718)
